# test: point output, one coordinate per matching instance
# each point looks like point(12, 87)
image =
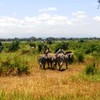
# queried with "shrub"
point(90, 48)
point(31, 44)
point(22, 65)
point(80, 56)
point(25, 52)
point(23, 69)
point(14, 65)
point(63, 45)
point(50, 40)
point(1, 47)
point(14, 46)
point(6, 66)
point(91, 69)
point(40, 47)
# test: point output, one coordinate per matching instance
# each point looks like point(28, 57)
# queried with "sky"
point(49, 18)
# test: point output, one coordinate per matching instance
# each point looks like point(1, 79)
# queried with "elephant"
point(42, 60)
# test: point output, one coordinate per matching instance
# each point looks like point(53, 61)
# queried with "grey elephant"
point(42, 60)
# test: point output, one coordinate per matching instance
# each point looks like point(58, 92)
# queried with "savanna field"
point(22, 79)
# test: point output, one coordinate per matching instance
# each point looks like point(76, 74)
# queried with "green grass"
point(23, 96)
point(71, 84)
point(94, 78)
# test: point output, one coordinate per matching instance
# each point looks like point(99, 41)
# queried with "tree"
point(99, 4)
point(14, 46)
point(1, 46)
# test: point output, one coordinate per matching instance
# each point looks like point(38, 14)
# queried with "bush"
point(6, 66)
point(91, 69)
point(25, 52)
point(90, 48)
point(14, 66)
point(1, 47)
point(22, 65)
point(31, 44)
point(14, 46)
point(23, 69)
point(63, 45)
point(80, 56)
point(40, 47)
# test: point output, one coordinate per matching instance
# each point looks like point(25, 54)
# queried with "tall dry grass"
point(50, 85)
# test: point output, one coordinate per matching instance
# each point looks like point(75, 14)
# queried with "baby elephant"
point(42, 61)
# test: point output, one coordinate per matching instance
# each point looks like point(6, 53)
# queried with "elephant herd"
point(53, 59)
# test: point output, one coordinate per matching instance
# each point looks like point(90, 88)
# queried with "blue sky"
point(54, 18)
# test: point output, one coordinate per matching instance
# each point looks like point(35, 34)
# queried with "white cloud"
point(80, 14)
point(44, 18)
point(48, 9)
point(9, 21)
point(79, 17)
point(49, 25)
point(97, 18)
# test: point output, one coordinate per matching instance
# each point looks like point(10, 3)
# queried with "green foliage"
point(1, 46)
point(40, 47)
point(63, 45)
point(14, 46)
point(15, 96)
point(32, 44)
point(50, 40)
point(91, 69)
point(80, 56)
point(23, 68)
point(14, 65)
point(90, 48)
point(83, 51)
point(25, 52)
point(81, 41)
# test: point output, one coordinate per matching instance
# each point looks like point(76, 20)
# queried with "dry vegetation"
point(51, 85)
point(70, 84)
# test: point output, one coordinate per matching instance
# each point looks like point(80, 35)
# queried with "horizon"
point(46, 18)
point(46, 37)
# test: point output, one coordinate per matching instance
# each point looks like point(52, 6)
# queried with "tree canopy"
point(99, 4)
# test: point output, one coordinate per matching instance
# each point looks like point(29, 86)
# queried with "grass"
point(70, 84)
point(50, 85)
